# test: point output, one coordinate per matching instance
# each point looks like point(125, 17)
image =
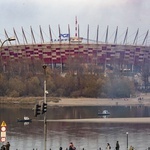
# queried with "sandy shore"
point(53, 101)
point(101, 102)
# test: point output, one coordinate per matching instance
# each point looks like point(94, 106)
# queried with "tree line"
point(26, 78)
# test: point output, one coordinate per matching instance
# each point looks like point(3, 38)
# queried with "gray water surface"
point(89, 136)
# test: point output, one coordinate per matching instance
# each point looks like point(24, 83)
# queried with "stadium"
point(57, 51)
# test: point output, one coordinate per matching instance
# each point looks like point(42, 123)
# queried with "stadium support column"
point(69, 34)
point(106, 39)
point(97, 34)
point(41, 35)
point(32, 34)
point(136, 37)
point(24, 37)
point(88, 34)
point(16, 36)
point(125, 38)
point(96, 59)
point(61, 60)
point(135, 43)
point(145, 37)
point(115, 39)
point(51, 41)
point(69, 47)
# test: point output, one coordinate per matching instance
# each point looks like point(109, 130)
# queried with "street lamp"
point(45, 102)
point(127, 139)
point(9, 39)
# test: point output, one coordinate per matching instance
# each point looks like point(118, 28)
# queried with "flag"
point(64, 35)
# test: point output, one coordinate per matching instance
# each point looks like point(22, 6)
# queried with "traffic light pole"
point(45, 119)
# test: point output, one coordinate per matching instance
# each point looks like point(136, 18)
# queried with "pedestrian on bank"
point(108, 147)
point(7, 145)
point(131, 148)
point(71, 146)
point(117, 145)
point(60, 148)
point(3, 147)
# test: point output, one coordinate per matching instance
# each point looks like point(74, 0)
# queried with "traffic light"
point(44, 108)
point(37, 110)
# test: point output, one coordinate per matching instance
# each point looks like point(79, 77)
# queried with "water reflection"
point(84, 135)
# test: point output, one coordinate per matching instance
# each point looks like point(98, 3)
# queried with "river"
point(90, 136)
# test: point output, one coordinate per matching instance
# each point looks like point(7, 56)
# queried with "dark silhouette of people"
point(131, 148)
point(117, 145)
point(71, 146)
point(108, 147)
point(7, 145)
point(3, 147)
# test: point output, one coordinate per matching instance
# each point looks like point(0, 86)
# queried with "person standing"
point(3, 147)
point(131, 148)
point(117, 145)
point(71, 146)
point(60, 148)
point(108, 147)
point(7, 145)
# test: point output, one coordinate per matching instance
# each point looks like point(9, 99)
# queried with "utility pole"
point(42, 108)
point(127, 139)
point(45, 102)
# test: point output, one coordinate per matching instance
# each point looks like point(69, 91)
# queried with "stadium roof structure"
point(24, 38)
point(58, 50)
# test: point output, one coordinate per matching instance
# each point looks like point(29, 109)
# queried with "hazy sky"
point(133, 14)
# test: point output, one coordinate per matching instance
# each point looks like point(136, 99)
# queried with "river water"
point(90, 136)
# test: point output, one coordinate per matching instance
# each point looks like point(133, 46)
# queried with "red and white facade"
point(59, 53)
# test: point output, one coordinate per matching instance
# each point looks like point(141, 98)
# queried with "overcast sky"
point(133, 14)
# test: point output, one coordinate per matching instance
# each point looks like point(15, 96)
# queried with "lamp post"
point(45, 101)
point(9, 39)
point(127, 139)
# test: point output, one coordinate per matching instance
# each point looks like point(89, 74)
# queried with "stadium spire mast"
point(76, 27)
point(76, 38)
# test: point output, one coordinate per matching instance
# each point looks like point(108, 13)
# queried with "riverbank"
point(144, 99)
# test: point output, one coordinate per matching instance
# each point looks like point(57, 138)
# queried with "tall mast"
point(76, 27)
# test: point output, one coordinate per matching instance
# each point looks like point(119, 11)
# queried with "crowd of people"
point(72, 147)
point(5, 146)
point(108, 147)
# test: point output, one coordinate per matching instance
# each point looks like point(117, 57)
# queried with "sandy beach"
point(62, 101)
point(102, 101)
